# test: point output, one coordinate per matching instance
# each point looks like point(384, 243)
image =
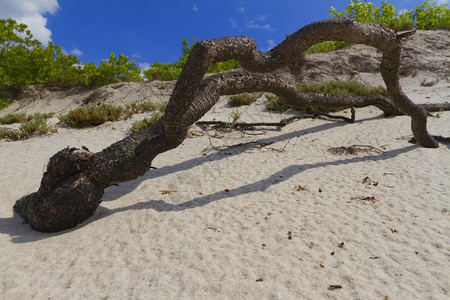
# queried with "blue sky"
point(152, 30)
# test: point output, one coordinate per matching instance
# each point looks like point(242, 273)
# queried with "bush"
point(91, 114)
point(13, 118)
point(24, 61)
point(29, 125)
point(172, 71)
point(425, 16)
point(243, 99)
point(274, 103)
point(116, 69)
point(336, 87)
point(146, 122)
point(36, 123)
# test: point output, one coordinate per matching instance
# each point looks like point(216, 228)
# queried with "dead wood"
point(73, 185)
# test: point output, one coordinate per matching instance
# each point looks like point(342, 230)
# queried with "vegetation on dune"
point(35, 123)
point(25, 61)
point(91, 114)
point(146, 122)
point(425, 16)
point(243, 99)
point(334, 87)
point(171, 71)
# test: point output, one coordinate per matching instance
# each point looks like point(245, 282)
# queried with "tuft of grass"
point(146, 122)
point(335, 87)
point(36, 123)
point(140, 107)
point(13, 118)
point(339, 87)
point(274, 103)
point(29, 125)
point(235, 115)
point(243, 99)
point(92, 114)
point(7, 133)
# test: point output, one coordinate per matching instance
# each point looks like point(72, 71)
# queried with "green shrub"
point(7, 133)
point(172, 71)
point(29, 125)
point(13, 118)
point(36, 123)
point(24, 61)
point(336, 87)
point(140, 107)
point(22, 117)
point(339, 87)
point(274, 103)
point(425, 16)
point(243, 99)
point(4, 102)
point(146, 122)
point(114, 70)
point(92, 114)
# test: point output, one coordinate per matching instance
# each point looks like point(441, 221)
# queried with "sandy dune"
point(281, 217)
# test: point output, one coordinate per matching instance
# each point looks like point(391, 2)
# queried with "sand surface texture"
point(259, 214)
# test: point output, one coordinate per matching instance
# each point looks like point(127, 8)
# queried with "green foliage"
point(13, 118)
point(335, 87)
point(22, 117)
point(92, 114)
point(146, 122)
point(29, 125)
point(3, 103)
point(24, 61)
point(235, 115)
point(36, 123)
point(140, 107)
point(425, 16)
point(243, 99)
point(274, 103)
point(116, 69)
point(8, 133)
point(339, 87)
point(171, 71)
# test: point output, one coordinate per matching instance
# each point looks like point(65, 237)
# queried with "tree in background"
point(24, 61)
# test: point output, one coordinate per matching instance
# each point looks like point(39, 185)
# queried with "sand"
point(280, 217)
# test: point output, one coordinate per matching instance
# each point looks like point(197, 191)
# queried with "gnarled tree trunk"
point(73, 185)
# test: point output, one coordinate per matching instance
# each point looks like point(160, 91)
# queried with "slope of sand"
point(279, 216)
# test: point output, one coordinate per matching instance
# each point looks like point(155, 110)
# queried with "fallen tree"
point(73, 184)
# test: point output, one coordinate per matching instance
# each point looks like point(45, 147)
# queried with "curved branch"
point(72, 187)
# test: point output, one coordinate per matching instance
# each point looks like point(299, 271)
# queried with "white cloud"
point(144, 66)
point(31, 12)
point(441, 2)
point(258, 23)
point(76, 52)
point(234, 23)
point(195, 7)
point(270, 43)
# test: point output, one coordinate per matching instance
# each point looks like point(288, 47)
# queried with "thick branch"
point(72, 187)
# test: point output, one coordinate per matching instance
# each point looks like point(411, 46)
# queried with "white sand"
point(239, 226)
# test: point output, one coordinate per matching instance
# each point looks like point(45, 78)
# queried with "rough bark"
point(72, 187)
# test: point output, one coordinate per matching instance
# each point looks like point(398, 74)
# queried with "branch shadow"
point(259, 186)
point(128, 187)
point(14, 226)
